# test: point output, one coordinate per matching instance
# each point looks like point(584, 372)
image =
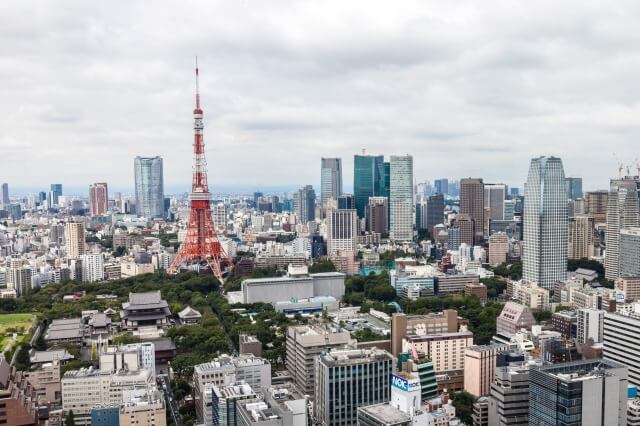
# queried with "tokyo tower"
point(201, 245)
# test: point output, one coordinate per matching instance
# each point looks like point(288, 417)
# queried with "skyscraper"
point(385, 189)
point(623, 211)
point(56, 191)
point(377, 215)
point(149, 187)
point(330, 179)
point(74, 239)
point(98, 198)
point(574, 187)
point(306, 206)
point(545, 223)
point(629, 252)
point(581, 237)
point(620, 335)
point(346, 202)
point(342, 231)
point(596, 205)
point(368, 180)
point(494, 195)
point(401, 198)
point(464, 224)
point(435, 212)
point(441, 186)
point(472, 204)
point(5, 196)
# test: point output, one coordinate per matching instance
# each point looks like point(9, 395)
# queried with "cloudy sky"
point(468, 88)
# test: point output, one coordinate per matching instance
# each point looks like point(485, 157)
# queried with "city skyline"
point(331, 213)
point(455, 89)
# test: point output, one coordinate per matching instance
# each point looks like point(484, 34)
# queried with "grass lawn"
point(14, 321)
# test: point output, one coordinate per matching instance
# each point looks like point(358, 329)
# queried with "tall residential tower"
point(622, 212)
point(98, 198)
point(401, 198)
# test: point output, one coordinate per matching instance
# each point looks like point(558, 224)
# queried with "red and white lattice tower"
point(201, 245)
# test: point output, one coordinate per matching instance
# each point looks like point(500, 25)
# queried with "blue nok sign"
point(399, 382)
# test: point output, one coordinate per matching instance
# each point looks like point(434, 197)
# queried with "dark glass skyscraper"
point(434, 212)
point(441, 186)
point(346, 202)
point(368, 180)
point(574, 187)
point(306, 204)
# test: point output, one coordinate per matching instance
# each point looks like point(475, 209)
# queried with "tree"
point(125, 339)
point(463, 402)
point(542, 316)
point(119, 251)
point(70, 419)
point(367, 335)
point(513, 270)
point(40, 343)
point(22, 358)
point(323, 265)
point(495, 286)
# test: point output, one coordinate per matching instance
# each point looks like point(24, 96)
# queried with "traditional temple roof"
point(148, 300)
point(189, 313)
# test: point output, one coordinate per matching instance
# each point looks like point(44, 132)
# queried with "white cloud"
point(468, 88)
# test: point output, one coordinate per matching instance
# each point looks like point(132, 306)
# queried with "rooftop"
point(41, 357)
point(580, 370)
point(148, 300)
point(341, 357)
point(227, 362)
point(234, 390)
point(386, 414)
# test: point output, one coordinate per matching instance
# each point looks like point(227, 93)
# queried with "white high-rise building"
point(342, 231)
point(92, 267)
point(590, 325)
point(621, 334)
point(220, 217)
point(401, 198)
point(74, 239)
point(545, 223)
point(330, 179)
point(4, 196)
point(622, 212)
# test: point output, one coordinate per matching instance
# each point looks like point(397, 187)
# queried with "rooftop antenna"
point(197, 85)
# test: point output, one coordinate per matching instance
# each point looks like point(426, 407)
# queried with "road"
point(165, 383)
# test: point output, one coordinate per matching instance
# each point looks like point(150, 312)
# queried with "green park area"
point(14, 323)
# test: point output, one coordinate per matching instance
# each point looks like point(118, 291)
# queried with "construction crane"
point(620, 164)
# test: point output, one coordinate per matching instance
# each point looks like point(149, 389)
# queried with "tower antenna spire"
point(197, 85)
